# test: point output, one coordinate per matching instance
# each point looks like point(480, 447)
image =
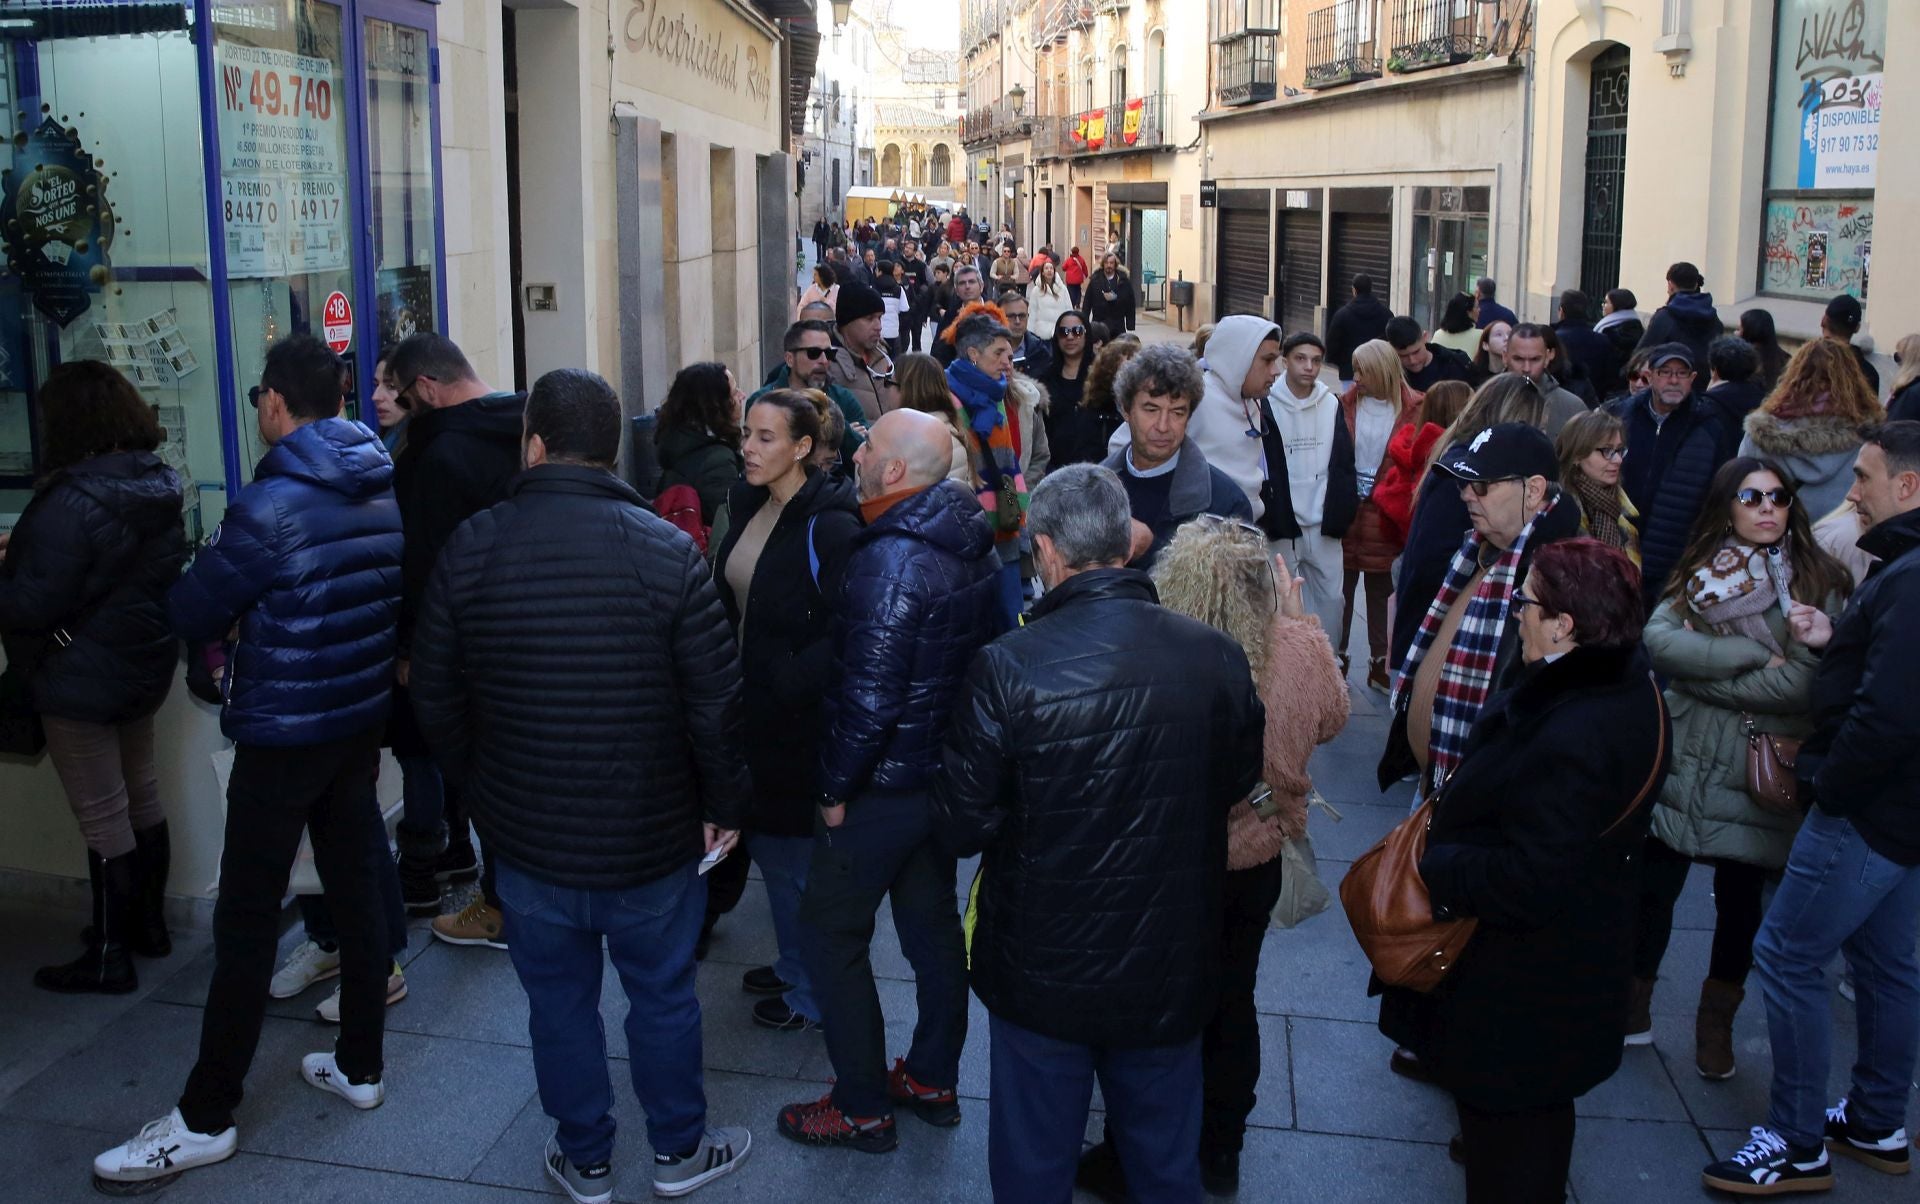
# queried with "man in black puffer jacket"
point(918, 598)
point(1677, 439)
point(576, 675)
point(1092, 760)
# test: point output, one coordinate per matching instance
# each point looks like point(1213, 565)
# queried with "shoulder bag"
point(1770, 777)
point(1391, 911)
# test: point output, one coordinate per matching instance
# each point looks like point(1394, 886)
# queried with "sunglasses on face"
point(1071, 332)
point(1611, 453)
point(812, 353)
point(255, 394)
point(1751, 498)
point(1483, 488)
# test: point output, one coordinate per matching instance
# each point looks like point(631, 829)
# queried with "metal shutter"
point(1362, 242)
point(1299, 269)
point(1244, 255)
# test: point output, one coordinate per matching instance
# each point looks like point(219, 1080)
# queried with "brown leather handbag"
point(1770, 771)
point(1391, 912)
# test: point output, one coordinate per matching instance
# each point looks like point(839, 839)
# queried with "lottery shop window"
point(103, 223)
point(281, 98)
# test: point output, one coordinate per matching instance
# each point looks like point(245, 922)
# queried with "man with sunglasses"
point(1676, 439)
point(462, 451)
point(809, 355)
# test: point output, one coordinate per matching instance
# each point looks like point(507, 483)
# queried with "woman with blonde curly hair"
point(1810, 423)
point(1218, 571)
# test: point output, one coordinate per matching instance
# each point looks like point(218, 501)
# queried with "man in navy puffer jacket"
point(305, 566)
point(918, 599)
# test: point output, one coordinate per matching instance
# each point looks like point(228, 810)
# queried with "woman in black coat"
point(1109, 296)
point(1537, 835)
point(787, 539)
point(83, 609)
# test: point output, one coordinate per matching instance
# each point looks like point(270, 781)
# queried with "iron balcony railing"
point(1055, 19)
point(1247, 71)
point(1342, 43)
point(1053, 137)
point(993, 122)
point(1439, 33)
point(1136, 124)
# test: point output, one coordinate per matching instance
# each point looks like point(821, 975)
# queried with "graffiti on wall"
point(1819, 247)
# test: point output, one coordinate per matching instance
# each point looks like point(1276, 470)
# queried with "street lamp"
point(842, 12)
point(1018, 95)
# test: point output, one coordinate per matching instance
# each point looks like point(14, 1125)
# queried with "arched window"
point(1156, 62)
point(890, 166)
point(942, 170)
point(1117, 78)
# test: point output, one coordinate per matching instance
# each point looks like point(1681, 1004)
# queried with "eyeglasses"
point(1483, 488)
point(1751, 498)
point(1070, 332)
point(812, 353)
point(1681, 373)
point(1611, 453)
point(1521, 601)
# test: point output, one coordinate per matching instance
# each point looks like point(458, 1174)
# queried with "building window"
point(1117, 78)
point(941, 175)
point(1246, 35)
point(1822, 146)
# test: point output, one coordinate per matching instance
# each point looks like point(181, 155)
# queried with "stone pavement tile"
point(930, 1164)
point(900, 1007)
point(1341, 1085)
point(730, 1040)
point(1636, 1162)
point(1273, 1107)
point(1640, 1090)
point(299, 1181)
point(130, 1072)
point(469, 992)
point(1281, 1165)
point(53, 1164)
point(1741, 1101)
point(744, 936)
point(1316, 968)
point(1361, 827)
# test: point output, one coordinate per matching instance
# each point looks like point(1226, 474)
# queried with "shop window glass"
point(103, 216)
point(401, 154)
point(283, 165)
point(1822, 147)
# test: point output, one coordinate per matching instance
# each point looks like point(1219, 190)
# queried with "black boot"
point(105, 968)
point(153, 848)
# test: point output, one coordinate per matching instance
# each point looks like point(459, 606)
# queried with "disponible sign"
point(282, 172)
point(1840, 134)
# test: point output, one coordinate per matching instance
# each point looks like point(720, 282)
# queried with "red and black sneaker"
point(820, 1122)
point(935, 1105)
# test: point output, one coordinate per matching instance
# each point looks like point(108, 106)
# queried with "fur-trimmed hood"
point(1816, 435)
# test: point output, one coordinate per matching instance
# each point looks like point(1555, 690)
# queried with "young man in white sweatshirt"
point(1286, 447)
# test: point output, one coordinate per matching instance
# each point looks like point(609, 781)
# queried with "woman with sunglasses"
point(1070, 430)
point(1218, 570)
point(1720, 638)
point(1593, 449)
point(1810, 424)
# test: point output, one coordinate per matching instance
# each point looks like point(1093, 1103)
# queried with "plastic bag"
point(1302, 894)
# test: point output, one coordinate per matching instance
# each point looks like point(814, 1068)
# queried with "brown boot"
point(1640, 1013)
point(1713, 1028)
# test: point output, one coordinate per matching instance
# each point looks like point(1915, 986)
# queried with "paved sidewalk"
point(462, 1122)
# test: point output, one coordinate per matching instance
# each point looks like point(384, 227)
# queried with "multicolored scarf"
point(1003, 490)
point(1735, 590)
point(1466, 679)
point(1607, 514)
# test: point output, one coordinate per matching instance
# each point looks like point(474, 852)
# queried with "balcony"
point(1247, 74)
point(995, 122)
point(1055, 19)
point(1138, 124)
point(1439, 33)
point(1341, 43)
point(1053, 138)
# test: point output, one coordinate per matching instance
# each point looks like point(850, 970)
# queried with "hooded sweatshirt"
point(1307, 427)
point(1220, 422)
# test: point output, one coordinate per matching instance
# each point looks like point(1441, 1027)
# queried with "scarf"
point(1735, 589)
point(1003, 490)
point(1607, 515)
point(1467, 677)
point(874, 507)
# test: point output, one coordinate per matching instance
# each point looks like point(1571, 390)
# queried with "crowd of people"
point(1635, 591)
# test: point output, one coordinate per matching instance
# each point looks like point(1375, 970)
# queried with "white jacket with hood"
point(1221, 421)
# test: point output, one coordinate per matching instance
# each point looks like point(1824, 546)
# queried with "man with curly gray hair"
point(1167, 479)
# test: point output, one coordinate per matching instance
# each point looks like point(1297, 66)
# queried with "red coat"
point(1372, 543)
point(1396, 487)
point(1074, 270)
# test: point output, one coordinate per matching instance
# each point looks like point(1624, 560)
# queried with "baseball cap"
point(1672, 351)
point(1845, 311)
point(1502, 453)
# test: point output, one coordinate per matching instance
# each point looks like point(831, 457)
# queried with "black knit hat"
point(856, 302)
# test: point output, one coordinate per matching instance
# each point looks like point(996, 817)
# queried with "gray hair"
point(964, 270)
point(1162, 370)
point(1083, 509)
point(977, 332)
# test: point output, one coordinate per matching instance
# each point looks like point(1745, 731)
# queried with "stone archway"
point(890, 165)
point(940, 170)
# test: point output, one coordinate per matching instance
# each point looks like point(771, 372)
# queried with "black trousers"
point(461, 830)
point(1230, 1044)
point(1517, 1157)
point(1737, 891)
point(273, 795)
point(884, 849)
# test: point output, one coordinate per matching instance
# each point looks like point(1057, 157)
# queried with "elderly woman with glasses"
point(1720, 638)
point(1535, 837)
point(1592, 449)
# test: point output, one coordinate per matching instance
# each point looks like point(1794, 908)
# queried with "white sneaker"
point(329, 1009)
point(163, 1148)
point(307, 965)
point(719, 1151)
point(323, 1072)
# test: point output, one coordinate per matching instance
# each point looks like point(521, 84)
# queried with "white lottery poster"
point(282, 170)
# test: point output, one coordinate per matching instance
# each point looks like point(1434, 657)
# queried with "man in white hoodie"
point(1285, 446)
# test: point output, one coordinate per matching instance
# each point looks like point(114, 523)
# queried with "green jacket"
point(850, 411)
point(1704, 809)
point(698, 459)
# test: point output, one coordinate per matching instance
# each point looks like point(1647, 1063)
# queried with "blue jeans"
point(1042, 1089)
point(1838, 894)
point(783, 864)
point(553, 936)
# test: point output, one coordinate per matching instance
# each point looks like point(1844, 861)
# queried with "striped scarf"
point(1466, 679)
point(1003, 490)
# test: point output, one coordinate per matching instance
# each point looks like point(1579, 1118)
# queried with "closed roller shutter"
point(1299, 268)
point(1244, 255)
point(1362, 242)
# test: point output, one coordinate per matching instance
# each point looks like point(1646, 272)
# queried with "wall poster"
point(282, 179)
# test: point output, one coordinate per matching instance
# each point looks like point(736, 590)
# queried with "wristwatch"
point(827, 801)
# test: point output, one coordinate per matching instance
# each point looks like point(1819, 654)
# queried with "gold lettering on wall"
point(667, 29)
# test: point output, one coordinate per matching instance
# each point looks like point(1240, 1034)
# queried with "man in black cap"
point(860, 365)
point(1676, 439)
point(1468, 645)
point(1842, 322)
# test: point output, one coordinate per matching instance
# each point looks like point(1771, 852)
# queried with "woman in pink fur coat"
point(1219, 572)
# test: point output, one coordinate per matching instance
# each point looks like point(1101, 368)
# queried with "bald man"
point(917, 600)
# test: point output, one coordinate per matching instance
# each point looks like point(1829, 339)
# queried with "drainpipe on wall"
point(1527, 81)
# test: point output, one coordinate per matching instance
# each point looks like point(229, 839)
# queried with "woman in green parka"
point(698, 435)
point(1720, 640)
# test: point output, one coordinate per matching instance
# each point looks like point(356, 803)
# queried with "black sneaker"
point(1220, 1172)
point(761, 980)
point(1768, 1166)
point(1882, 1149)
point(419, 888)
point(457, 864)
point(1099, 1174)
point(775, 1014)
